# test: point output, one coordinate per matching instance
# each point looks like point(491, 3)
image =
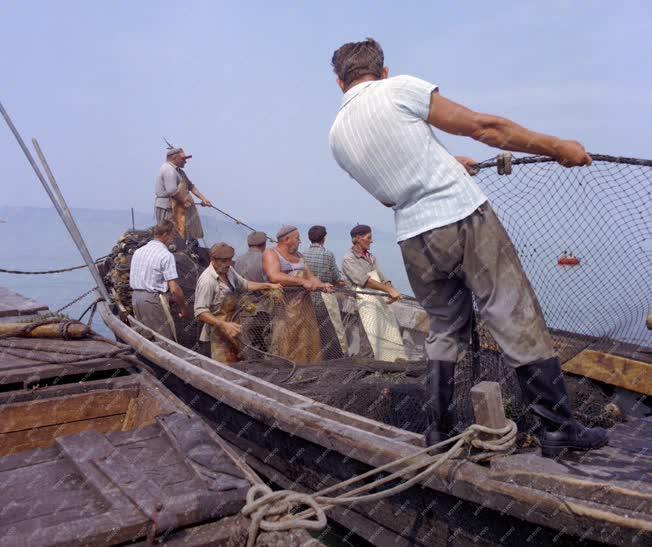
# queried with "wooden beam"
point(612, 369)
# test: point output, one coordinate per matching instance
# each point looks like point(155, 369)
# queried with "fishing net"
point(583, 237)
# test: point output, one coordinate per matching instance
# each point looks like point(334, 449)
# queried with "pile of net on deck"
point(115, 271)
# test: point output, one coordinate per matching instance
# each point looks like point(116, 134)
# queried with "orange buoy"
point(568, 261)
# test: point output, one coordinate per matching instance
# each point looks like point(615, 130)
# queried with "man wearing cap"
point(361, 270)
point(152, 275)
point(360, 267)
point(173, 200)
point(295, 333)
point(453, 244)
point(250, 264)
point(216, 300)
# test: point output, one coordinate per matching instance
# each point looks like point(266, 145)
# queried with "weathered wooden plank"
point(61, 390)
point(72, 408)
point(12, 303)
point(33, 374)
point(42, 437)
point(612, 369)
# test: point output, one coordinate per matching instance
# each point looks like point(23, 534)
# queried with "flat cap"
point(221, 250)
point(173, 151)
point(360, 230)
point(256, 238)
point(285, 230)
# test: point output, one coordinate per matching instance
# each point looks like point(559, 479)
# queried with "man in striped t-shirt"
point(452, 242)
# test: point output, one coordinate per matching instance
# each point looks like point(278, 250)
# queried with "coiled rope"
point(274, 511)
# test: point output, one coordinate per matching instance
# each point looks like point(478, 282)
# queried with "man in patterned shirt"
point(322, 263)
point(452, 243)
point(320, 260)
point(153, 272)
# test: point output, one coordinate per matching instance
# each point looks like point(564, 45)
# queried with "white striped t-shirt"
point(381, 138)
point(152, 266)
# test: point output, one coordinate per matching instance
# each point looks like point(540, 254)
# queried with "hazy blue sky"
point(247, 88)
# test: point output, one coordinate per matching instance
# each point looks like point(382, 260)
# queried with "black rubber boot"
point(545, 394)
point(440, 386)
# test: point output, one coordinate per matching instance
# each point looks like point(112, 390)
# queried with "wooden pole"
point(70, 223)
point(648, 322)
point(488, 407)
point(51, 330)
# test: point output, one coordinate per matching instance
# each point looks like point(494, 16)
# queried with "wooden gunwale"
point(276, 407)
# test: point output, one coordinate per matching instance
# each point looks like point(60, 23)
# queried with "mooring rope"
point(272, 511)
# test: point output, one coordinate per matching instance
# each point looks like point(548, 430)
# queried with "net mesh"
point(583, 237)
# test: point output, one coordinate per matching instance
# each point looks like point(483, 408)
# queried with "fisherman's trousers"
point(475, 255)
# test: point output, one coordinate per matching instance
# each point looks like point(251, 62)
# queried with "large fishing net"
point(583, 237)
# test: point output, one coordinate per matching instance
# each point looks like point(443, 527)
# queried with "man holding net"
point(452, 242)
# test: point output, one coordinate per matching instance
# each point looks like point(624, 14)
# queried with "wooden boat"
point(298, 443)
point(96, 451)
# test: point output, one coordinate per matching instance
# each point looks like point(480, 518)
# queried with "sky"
point(247, 88)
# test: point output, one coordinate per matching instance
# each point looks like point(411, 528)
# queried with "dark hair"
point(163, 228)
point(316, 234)
point(357, 59)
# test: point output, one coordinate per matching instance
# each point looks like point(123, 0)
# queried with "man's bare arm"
point(378, 286)
point(204, 201)
point(272, 269)
point(502, 133)
point(177, 294)
point(314, 281)
point(229, 328)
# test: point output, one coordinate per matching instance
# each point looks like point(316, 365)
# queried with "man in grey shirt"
point(250, 264)
point(172, 190)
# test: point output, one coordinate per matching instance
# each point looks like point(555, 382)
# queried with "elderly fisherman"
point(295, 333)
point(250, 264)
point(174, 201)
point(360, 267)
point(153, 273)
point(452, 242)
point(372, 329)
point(216, 301)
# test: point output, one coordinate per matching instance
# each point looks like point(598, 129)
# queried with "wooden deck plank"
point(73, 408)
point(12, 303)
point(618, 371)
point(42, 437)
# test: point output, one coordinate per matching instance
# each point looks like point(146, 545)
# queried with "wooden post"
point(488, 408)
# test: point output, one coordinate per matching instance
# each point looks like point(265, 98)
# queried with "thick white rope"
point(273, 511)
